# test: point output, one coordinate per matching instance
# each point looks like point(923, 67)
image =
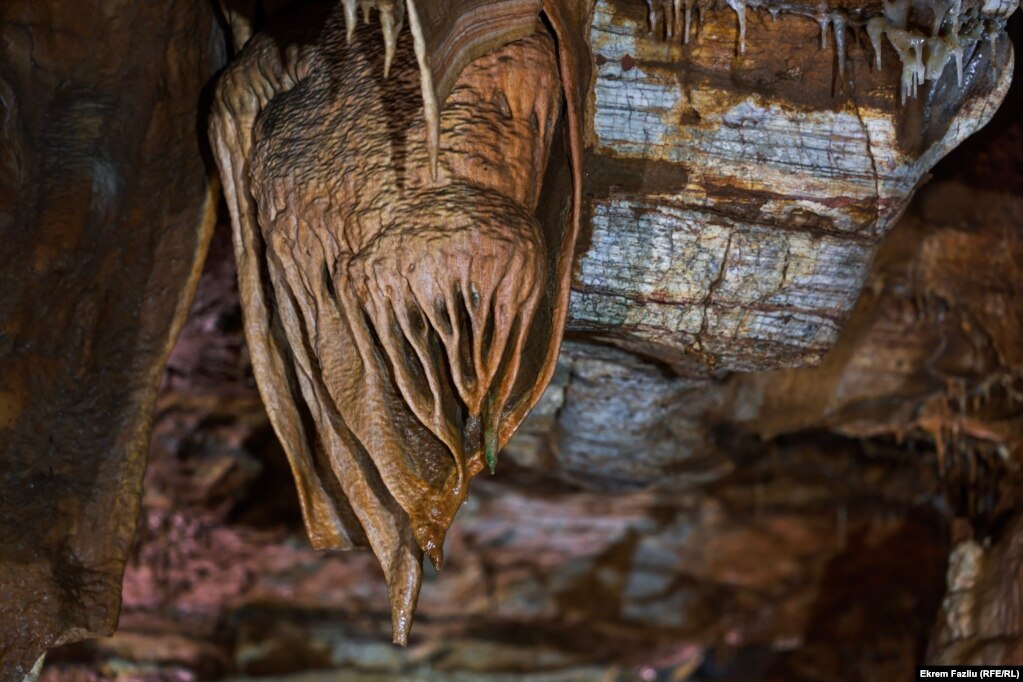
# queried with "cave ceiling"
point(672, 269)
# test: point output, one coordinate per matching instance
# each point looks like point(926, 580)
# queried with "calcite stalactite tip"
point(951, 29)
point(739, 7)
point(392, 16)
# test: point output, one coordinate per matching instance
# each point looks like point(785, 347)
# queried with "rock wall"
point(735, 201)
point(106, 208)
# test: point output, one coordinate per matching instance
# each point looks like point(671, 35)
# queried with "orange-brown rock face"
point(105, 212)
point(401, 324)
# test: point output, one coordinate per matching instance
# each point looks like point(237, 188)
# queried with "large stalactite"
point(415, 313)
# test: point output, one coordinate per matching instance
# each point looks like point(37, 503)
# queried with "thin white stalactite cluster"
point(955, 26)
point(392, 18)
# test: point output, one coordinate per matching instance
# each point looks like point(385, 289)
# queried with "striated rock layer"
point(734, 202)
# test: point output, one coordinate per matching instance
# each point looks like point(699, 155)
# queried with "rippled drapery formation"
point(402, 317)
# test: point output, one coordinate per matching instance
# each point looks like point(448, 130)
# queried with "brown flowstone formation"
point(413, 313)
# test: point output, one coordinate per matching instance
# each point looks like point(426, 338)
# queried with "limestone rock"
point(736, 188)
point(735, 201)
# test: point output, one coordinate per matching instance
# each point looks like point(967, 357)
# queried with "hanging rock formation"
point(411, 306)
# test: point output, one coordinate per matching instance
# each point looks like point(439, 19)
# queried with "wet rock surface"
point(808, 524)
point(106, 208)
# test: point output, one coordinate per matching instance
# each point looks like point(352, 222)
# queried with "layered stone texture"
point(736, 201)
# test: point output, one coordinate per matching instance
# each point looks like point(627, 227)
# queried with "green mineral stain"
point(490, 448)
point(490, 435)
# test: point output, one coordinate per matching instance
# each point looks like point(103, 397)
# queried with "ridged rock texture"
point(403, 312)
point(106, 208)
